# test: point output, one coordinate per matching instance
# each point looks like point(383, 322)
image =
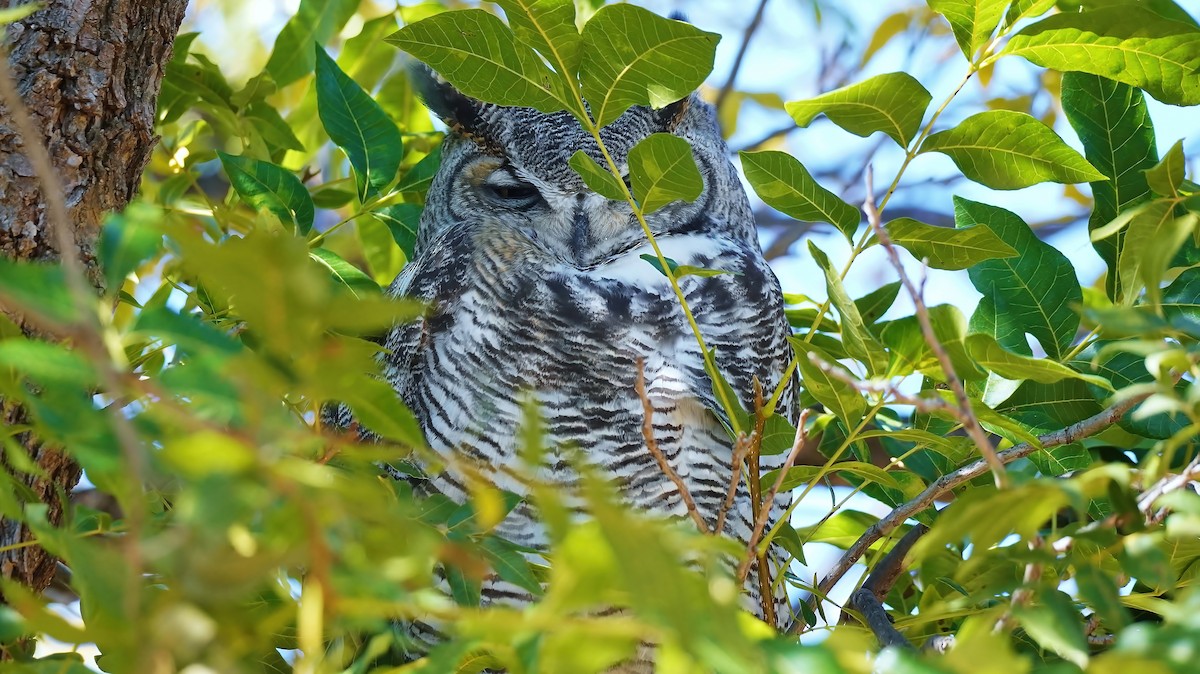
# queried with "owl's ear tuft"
point(670, 116)
point(459, 111)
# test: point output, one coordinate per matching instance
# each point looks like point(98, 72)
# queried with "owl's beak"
point(580, 232)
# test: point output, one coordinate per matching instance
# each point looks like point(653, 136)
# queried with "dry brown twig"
point(964, 412)
point(656, 452)
point(764, 511)
point(740, 448)
point(1166, 485)
point(1073, 433)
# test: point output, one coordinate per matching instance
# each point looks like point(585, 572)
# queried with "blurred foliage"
point(246, 280)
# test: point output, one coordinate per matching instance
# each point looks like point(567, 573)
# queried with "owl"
point(538, 289)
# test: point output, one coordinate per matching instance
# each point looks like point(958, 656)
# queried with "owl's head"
point(507, 167)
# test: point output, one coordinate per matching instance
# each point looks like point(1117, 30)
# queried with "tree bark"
point(89, 73)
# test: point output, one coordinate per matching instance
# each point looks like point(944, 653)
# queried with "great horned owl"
point(537, 288)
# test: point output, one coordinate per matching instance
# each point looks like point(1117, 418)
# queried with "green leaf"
point(511, 565)
point(357, 124)
point(47, 364)
point(402, 220)
point(973, 21)
point(875, 304)
point(1166, 177)
point(207, 453)
point(266, 186)
point(1055, 624)
point(316, 21)
point(784, 184)
point(859, 341)
point(420, 176)
point(10, 14)
point(128, 240)
point(275, 131)
point(1153, 237)
point(1008, 150)
point(358, 283)
point(1118, 139)
point(38, 288)
point(798, 476)
point(1035, 292)
point(839, 397)
point(663, 170)
point(549, 27)
point(1026, 9)
point(632, 56)
point(947, 248)
point(481, 57)
point(185, 330)
point(464, 591)
point(909, 352)
point(1127, 43)
point(1100, 592)
point(989, 354)
point(600, 181)
point(893, 103)
point(377, 406)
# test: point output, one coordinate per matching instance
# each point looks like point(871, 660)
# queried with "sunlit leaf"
point(1118, 138)
point(946, 248)
point(273, 188)
point(662, 170)
point(893, 103)
point(838, 396)
point(403, 221)
point(1008, 150)
point(357, 124)
point(632, 56)
point(1166, 177)
point(1035, 292)
point(989, 354)
point(600, 180)
point(973, 21)
point(1127, 43)
point(858, 340)
point(784, 184)
point(315, 22)
point(344, 273)
point(480, 56)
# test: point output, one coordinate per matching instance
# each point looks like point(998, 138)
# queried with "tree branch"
point(1073, 433)
point(964, 412)
point(755, 22)
point(656, 452)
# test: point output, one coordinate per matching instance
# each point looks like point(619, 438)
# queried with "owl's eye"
point(511, 192)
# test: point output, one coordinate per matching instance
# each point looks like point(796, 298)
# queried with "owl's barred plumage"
point(537, 288)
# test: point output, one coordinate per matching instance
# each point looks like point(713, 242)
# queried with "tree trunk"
point(89, 73)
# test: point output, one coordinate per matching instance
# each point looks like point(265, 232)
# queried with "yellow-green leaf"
point(893, 103)
point(947, 248)
point(1127, 43)
point(662, 170)
point(784, 184)
point(1008, 150)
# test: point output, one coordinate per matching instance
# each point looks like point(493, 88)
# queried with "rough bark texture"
point(89, 72)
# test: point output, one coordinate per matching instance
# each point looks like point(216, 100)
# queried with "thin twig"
point(739, 455)
point(1024, 594)
point(760, 522)
point(741, 55)
point(965, 414)
point(1166, 485)
point(1073, 433)
point(652, 445)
